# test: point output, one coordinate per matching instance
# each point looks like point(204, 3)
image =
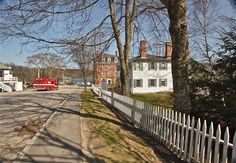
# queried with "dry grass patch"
point(107, 138)
point(164, 99)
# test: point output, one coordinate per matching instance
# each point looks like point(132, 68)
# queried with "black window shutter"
point(141, 66)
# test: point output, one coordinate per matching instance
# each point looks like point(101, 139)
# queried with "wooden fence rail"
point(189, 139)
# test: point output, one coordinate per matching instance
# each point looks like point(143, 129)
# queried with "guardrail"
point(183, 135)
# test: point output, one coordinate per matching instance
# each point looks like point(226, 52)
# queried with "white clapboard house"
point(8, 83)
point(151, 73)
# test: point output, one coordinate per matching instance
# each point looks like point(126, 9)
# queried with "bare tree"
point(124, 50)
point(204, 30)
point(47, 61)
point(29, 19)
point(53, 61)
point(82, 58)
point(37, 61)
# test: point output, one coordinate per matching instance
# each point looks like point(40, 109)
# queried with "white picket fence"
point(184, 136)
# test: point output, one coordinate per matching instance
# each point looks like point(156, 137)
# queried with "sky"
point(11, 51)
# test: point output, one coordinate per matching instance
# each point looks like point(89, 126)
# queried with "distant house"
point(7, 81)
point(105, 70)
point(151, 73)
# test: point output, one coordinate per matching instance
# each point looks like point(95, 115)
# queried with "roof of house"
point(4, 67)
point(151, 58)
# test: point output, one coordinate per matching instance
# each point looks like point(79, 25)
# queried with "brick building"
point(105, 69)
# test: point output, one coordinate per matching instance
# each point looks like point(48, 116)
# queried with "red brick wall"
point(99, 70)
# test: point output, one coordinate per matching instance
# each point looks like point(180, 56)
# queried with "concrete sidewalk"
point(60, 140)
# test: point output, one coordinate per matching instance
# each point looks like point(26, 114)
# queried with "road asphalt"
point(59, 140)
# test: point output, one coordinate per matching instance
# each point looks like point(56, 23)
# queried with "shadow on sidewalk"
point(51, 139)
point(161, 152)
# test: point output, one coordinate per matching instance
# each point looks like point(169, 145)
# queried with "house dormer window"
point(163, 66)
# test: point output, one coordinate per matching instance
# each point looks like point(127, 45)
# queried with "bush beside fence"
point(184, 136)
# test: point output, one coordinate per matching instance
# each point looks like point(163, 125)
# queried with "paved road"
point(21, 109)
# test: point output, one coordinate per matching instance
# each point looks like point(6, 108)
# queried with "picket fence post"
point(202, 151)
point(225, 147)
point(217, 145)
point(182, 137)
point(186, 149)
point(191, 141)
point(234, 149)
point(209, 145)
point(197, 141)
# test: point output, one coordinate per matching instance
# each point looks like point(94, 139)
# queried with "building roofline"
point(4, 67)
point(151, 58)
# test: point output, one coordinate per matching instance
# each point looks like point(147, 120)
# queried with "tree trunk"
point(38, 72)
point(85, 79)
point(124, 51)
point(180, 54)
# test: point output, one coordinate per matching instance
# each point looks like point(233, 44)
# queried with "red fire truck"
point(44, 83)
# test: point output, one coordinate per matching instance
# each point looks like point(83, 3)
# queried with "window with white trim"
point(152, 66)
point(138, 66)
point(138, 82)
point(152, 82)
point(162, 82)
point(163, 66)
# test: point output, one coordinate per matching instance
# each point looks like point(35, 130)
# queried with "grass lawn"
point(108, 138)
point(163, 99)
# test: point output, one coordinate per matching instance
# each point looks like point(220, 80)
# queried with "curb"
point(20, 155)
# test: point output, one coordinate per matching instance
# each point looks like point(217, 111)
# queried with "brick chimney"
point(143, 49)
point(168, 50)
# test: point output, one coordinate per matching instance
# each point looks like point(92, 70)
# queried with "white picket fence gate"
point(184, 136)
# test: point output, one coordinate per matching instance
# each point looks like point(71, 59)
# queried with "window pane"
point(163, 66)
point(152, 65)
point(138, 83)
point(162, 82)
